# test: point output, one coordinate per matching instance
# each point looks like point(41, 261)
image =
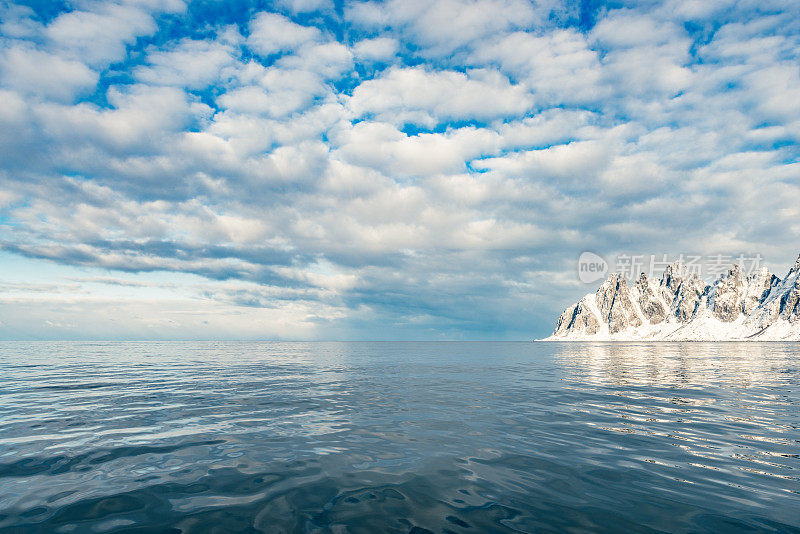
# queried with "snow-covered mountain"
point(681, 307)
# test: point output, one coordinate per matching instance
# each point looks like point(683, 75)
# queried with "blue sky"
point(307, 169)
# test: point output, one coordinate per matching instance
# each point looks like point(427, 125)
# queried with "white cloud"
point(305, 189)
point(577, 162)
point(551, 127)
point(657, 71)
point(7, 197)
point(33, 71)
point(101, 36)
point(377, 49)
point(698, 9)
point(307, 6)
point(327, 60)
point(291, 84)
point(271, 33)
point(280, 93)
point(216, 311)
point(249, 133)
point(383, 147)
point(558, 67)
point(442, 27)
point(635, 174)
point(18, 21)
point(625, 28)
point(190, 63)
point(776, 92)
point(644, 56)
point(251, 99)
point(141, 116)
point(422, 97)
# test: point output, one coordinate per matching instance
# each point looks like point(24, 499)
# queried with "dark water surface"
point(399, 437)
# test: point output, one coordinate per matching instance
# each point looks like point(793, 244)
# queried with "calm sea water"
point(399, 437)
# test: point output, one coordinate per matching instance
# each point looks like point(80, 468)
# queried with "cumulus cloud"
point(414, 95)
point(18, 21)
point(559, 67)
point(140, 116)
point(307, 6)
point(398, 169)
point(377, 49)
point(40, 73)
point(271, 33)
point(101, 34)
point(190, 63)
point(442, 27)
point(384, 147)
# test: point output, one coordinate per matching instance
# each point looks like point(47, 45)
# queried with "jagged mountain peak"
point(615, 303)
point(795, 268)
point(761, 272)
point(677, 274)
point(673, 274)
point(681, 306)
point(678, 269)
point(726, 294)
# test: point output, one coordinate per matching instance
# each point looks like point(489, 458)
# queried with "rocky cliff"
point(680, 306)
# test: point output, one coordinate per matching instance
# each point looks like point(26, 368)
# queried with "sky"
point(406, 169)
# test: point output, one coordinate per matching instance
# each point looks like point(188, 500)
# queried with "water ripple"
point(399, 437)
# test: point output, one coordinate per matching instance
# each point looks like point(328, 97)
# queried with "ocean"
point(399, 437)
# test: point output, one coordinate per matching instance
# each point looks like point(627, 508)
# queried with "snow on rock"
point(579, 318)
point(616, 306)
point(790, 300)
point(653, 308)
point(759, 285)
point(681, 307)
point(725, 297)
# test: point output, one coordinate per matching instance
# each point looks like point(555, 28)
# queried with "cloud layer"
point(397, 169)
